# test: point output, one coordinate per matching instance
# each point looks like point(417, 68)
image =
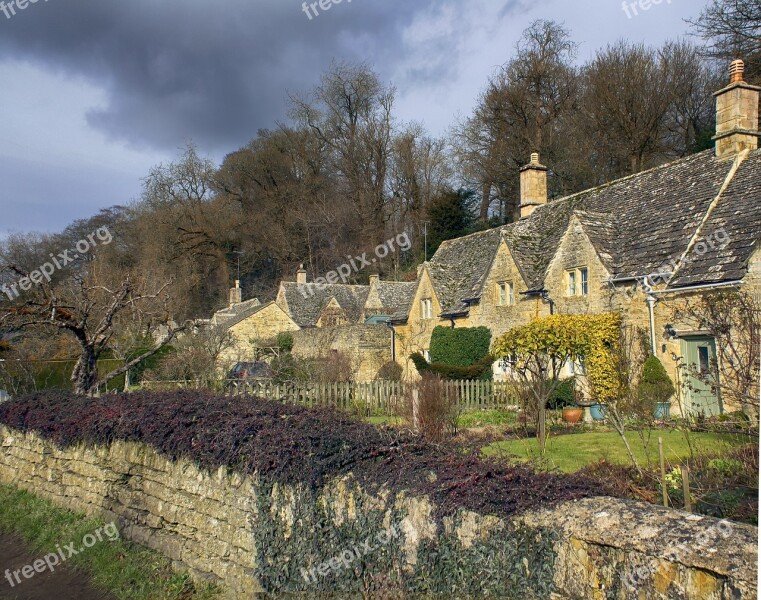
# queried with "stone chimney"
point(374, 279)
point(533, 186)
point(736, 114)
point(236, 294)
point(301, 275)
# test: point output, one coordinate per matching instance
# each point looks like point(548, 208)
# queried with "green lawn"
point(126, 570)
point(570, 453)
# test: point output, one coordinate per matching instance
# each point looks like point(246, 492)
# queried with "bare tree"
point(519, 113)
point(90, 308)
point(732, 29)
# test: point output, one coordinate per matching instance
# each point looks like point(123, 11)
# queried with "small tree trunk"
point(542, 428)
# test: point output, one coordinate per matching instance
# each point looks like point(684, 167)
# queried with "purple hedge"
point(290, 444)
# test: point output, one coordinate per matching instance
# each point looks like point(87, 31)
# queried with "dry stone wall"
point(253, 537)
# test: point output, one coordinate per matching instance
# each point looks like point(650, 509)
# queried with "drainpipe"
point(390, 325)
point(651, 300)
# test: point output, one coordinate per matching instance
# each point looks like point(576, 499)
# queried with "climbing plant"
point(538, 351)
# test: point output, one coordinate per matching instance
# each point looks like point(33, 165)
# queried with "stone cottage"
point(637, 245)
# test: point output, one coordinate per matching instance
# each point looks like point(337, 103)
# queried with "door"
point(700, 356)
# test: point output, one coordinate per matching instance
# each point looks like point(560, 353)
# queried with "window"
point(426, 308)
point(577, 282)
point(506, 293)
point(704, 357)
point(571, 283)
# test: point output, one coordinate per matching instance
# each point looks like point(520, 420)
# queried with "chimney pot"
point(736, 71)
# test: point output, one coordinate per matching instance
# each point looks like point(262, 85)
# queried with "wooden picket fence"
point(376, 397)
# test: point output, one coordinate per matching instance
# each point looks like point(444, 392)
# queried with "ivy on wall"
point(514, 562)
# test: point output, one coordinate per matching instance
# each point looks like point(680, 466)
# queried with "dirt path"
point(62, 584)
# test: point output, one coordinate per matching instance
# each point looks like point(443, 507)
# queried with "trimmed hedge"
point(480, 370)
point(459, 347)
point(290, 445)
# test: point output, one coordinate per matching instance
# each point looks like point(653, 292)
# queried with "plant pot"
point(598, 411)
point(573, 414)
point(662, 410)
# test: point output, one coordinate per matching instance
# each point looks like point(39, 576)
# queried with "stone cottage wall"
point(249, 537)
point(368, 346)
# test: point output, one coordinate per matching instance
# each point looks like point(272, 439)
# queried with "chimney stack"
point(736, 114)
point(374, 279)
point(301, 275)
point(236, 294)
point(533, 186)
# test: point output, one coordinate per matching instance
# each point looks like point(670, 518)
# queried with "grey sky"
point(95, 92)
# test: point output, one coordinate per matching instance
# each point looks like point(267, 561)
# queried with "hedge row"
point(290, 444)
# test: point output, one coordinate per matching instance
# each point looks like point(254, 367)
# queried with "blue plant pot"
point(597, 411)
point(662, 410)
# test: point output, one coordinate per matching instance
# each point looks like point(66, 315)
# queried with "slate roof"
point(396, 296)
point(306, 301)
point(232, 315)
point(637, 224)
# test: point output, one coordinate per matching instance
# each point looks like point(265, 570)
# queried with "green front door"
point(700, 356)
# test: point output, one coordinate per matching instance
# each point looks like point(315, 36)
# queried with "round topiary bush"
point(655, 385)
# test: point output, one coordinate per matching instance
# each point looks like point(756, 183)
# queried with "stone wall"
point(368, 346)
point(250, 537)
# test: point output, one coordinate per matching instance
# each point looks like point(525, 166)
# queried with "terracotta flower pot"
point(573, 414)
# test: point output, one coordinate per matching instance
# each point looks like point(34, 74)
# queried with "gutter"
point(703, 286)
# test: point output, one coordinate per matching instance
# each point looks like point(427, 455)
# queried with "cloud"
point(180, 69)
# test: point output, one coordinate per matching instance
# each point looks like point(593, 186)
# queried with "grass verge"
point(122, 568)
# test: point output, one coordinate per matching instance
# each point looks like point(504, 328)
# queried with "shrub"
point(459, 347)
point(655, 385)
point(564, 395)
point(391, 371)
point(291, 444)
point(480, 370)
point(333, 367)
point(284, 341)
point(435, 413)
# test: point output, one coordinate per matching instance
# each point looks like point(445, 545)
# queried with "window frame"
point(505, 293)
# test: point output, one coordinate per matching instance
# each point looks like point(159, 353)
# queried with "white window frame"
point(505, 293)
point(584, 281)
point(571, 283)
point(426, 306)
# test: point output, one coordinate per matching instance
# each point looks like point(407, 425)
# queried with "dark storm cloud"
point(212, 72)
